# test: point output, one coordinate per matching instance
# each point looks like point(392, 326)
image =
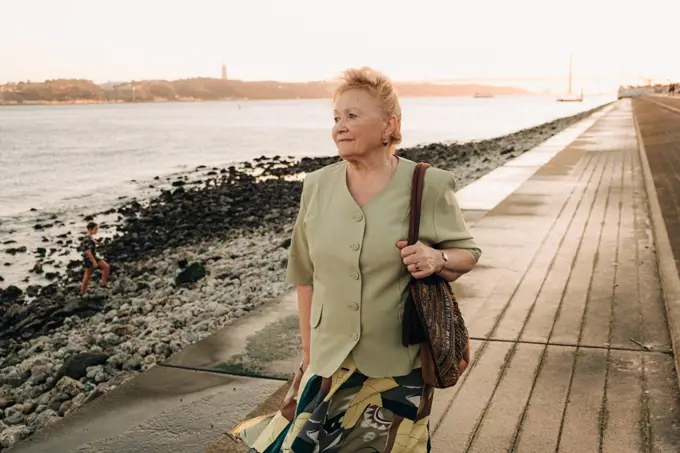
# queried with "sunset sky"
point(298, 40)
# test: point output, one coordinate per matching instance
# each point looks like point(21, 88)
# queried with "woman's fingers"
point(412, 259)
point(419, 272)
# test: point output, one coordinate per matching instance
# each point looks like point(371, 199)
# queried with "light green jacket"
point(349, 254)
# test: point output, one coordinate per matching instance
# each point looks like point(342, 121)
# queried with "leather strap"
point(416, 202)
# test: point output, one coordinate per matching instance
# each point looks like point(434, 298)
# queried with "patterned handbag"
point(431, 314)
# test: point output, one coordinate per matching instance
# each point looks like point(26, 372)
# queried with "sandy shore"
point(210, 246)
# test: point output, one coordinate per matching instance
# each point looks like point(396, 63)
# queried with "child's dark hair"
point(91, 226)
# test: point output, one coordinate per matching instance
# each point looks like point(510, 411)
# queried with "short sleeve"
point(451, 231)
point(300, 270)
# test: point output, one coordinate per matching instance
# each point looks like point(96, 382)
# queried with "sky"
point(299, 40)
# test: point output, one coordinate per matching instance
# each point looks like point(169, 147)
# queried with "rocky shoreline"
point(207, 249)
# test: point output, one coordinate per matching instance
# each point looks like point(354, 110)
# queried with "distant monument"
point(224, 72)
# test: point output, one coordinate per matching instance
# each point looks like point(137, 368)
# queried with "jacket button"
point(355, 247)
point(359, 217)
point(355, 336)
point(354, 275)
point(353, 306)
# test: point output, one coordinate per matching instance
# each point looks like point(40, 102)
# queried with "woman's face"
point(360, 126)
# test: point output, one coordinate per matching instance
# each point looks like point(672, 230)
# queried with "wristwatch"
point(445, 258)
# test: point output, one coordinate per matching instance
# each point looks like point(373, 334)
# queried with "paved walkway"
point(572, 350)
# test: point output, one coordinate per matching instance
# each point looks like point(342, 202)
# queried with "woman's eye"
point(336, 119)
point(352, 115)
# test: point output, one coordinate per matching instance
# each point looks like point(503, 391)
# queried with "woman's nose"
point(341, 125)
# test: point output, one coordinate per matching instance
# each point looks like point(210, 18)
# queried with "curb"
point(668, 272)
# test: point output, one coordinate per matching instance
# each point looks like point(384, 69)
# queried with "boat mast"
point(570, 56)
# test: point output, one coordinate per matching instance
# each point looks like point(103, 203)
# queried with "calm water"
point(59, 158)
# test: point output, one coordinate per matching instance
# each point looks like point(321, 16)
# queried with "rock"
point(110, 339)
point(93, 395)
point(97, 374)
point(14, 251)
point(39, 317)
point(29, 407)
point(191, 274)
point(10, 295)
point(68, 386)
point(133, 363)
point(76, 366)
point(65, 407)
point(49, 290)
point(14, 434)
point(14, 415)
point(57, 400)
point(38, 268)
point(127, 286)
point(6, 401)
point(33, 290)
point(40, 372)
point(45, 418)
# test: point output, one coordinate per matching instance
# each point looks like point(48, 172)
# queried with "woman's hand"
point(421, 260)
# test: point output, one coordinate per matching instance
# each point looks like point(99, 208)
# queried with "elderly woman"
point(358, 388)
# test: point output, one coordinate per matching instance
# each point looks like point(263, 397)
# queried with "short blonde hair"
point(380, 86)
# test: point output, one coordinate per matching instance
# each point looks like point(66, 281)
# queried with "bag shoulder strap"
point(416, 201)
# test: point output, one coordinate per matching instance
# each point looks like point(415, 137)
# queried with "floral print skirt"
point(348, 412)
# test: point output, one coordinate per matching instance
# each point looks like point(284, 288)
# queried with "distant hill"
point(208, 89)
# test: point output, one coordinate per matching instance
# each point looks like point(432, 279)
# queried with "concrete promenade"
point(572, 350)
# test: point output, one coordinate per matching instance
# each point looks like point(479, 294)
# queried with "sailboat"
point(569, 97)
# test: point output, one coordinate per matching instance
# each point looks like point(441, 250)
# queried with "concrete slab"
point(488, 191)
point(568, 324)
point(583, 416)
point(162, 410)
point(264, 344)
point(623, 412)
point(570, 219)
point(444, 397)
point(542, 421)
point(457, 427)
point(542, 318)
point(504, 414)
point(661, 401)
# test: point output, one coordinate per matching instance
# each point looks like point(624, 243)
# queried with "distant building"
point(224, 72)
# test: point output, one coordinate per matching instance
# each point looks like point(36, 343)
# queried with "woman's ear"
point(390, 127)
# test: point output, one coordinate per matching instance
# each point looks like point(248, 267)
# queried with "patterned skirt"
point(347, 412)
